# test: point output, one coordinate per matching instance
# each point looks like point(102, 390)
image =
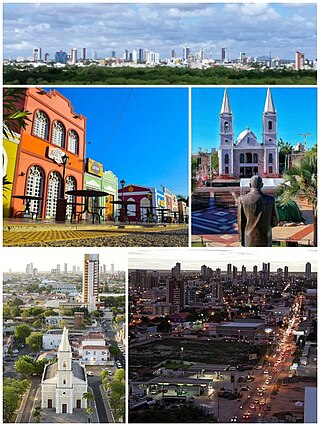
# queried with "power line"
point(120, 116)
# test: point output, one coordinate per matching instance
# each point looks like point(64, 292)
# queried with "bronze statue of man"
point(257, 215)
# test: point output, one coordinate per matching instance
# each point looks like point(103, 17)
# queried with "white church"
point(246, 156)
point(64, 382)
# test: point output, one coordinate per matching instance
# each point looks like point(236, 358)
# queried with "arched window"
point(73, 142)
point(270, 158)
point(269, 125)
point(64, 365)
point(248, 157)
point(64, 381)
point(70, 186)
point(242, 158)
point(132, 209)
point(226, 159)
point(255, 157)
point(270, 169)
point(226, 126)
point(58, 134)
point(54, 186)
point(35, 182)
point(226, 170)
point(41, 125)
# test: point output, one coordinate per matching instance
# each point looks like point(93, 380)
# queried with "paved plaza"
point(20, 233)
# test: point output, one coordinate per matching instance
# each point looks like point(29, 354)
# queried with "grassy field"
point(209, 352)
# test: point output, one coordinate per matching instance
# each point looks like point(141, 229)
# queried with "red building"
point(55, 131)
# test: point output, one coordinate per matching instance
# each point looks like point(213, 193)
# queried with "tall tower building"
point(74, 55)
point(84, 54)
point(185, 53)
point(299, 61)
point(308, 270)
point(90, 285)
point(36, 54)
point(112, 268)
point(223, 55)
point(286, 272)
point(175, 294)
point(226, 136)
point(176, 270)
point(65, 268)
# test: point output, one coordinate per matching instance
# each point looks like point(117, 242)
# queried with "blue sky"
point(255, 28)
point(296, 112)
point(140, 134)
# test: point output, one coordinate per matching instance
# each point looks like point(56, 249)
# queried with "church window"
point(64, 381)
point(270, 169)
point(64, 365)
point(270, 158)
point(226, 170)
point(255, 157)
point(226, 140)
point(248, 157)
point(241, 158)
point(270, 140)
point(226, 126)
point(269, 125)
point(226, 158)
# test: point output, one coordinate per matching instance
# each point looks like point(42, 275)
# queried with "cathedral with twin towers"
point(246, 156)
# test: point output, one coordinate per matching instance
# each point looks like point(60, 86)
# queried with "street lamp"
point(122, 209)
point(64, 160)
point(151, 206)
point(182, 356)
point(267, 330)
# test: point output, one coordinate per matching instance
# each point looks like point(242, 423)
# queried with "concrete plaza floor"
point(301, 234)
point(38, 233)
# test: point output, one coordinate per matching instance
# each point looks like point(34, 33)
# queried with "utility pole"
point(305, 135)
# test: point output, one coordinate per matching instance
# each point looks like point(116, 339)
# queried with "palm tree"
point(301, 182)
point(89, 397)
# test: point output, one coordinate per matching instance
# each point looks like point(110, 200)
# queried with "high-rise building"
point(173, 54)
point(113, 54)
point(299, 61)
point(84, 54)
point(125, 55)
point(138, 278)
point(255, 271)
point(65, 268)
point(175, 294)
point(94, 55)
point(286, 272)
point(134, 56)
point(185, 53)
point(36, 54)
point(141, 55)
point(229, 270)
point(112, 268)
point(308, 270)
point(46, 57)
point(61, 57)
point(58, 269)
point(90, 285)
point(74, 54)
point(216, 291)
point(176, 270)
point(244, 273)
point(242, 58)
point(223, 54)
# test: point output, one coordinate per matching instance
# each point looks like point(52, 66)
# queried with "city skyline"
point(17, 259)
point(254, 28)
point(296, 114)
point(219, 258)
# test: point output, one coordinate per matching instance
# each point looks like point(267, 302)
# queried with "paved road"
point(26, 416)
point(94, 383)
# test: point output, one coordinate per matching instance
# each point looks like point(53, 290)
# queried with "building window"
point(241, 158)
point(226, 170)
point(71, 199)
point(269, 125)
point(58, 134)
point(226, 159)
point(255, 157)
point(248, 157)
point(226, 141)
point(53, 194)
point(270, 158)
point(226, 126)
point(270, 169)
point(73, 142)
point(35, 186)
point(41, 125)
point(64, 381)
point(132, 208)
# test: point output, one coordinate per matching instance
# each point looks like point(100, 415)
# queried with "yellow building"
point(9, 156)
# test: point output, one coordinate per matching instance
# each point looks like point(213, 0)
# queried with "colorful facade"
point(55, 130)
point(97, 179)
point(9, 157)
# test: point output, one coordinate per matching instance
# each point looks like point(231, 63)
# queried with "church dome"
point(245, 133)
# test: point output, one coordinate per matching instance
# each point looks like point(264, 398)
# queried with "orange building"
point(55, 130)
